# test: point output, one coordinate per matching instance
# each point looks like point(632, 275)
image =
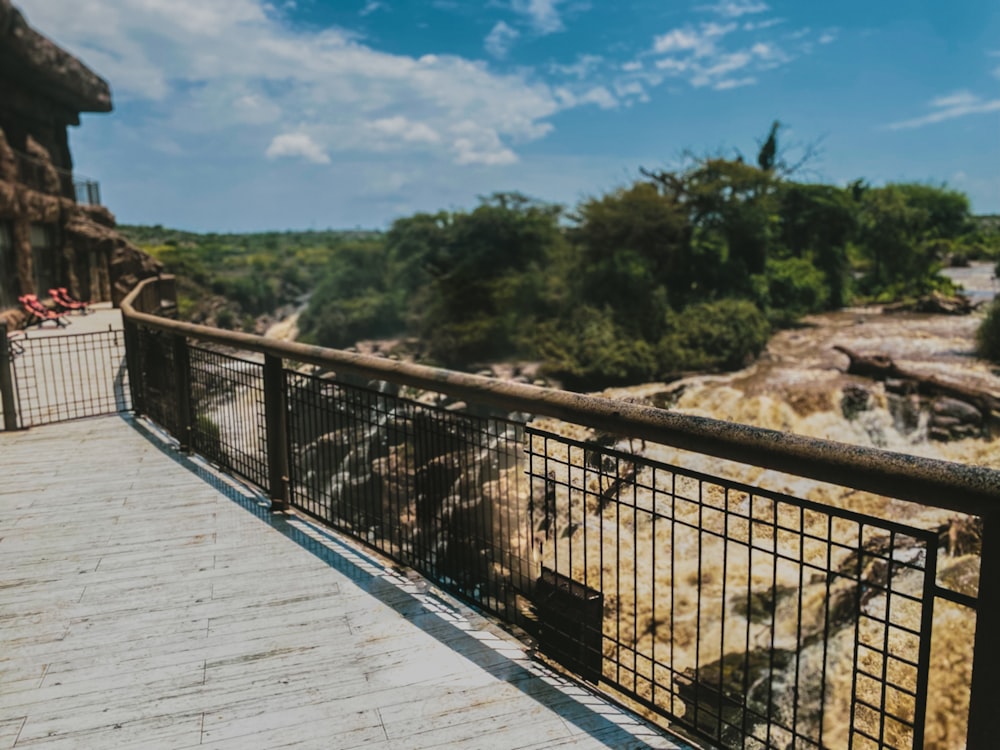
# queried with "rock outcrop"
point(956, 411)
point(49, 240)
point(91, 230)
point(46, 68)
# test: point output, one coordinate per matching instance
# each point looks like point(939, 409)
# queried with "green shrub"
point(724, 335)
point(225, 318)
point(790, 288)
point(988, 333)
point(343, 322)
point(589, 351)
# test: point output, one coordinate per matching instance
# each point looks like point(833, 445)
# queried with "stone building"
point(53, 230)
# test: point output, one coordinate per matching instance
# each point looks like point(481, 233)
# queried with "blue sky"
point(244, 115)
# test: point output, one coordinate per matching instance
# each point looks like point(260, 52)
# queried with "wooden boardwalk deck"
point(148, 602)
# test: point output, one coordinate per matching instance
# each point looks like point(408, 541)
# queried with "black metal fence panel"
point(438, 490)
point(64, 377)
point(750, 617)
point(754, 619)
point(227, 419)
point(157, 380)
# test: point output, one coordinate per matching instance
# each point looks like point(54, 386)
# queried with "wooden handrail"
point(932, 482)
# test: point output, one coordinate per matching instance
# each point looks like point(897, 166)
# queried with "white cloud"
point(676, 40)
point(600, 96)
point(297, 144)
point(370, 7)
point(632, 66)
point(632, 90)
point(950, 107)
point(543, 15)
point(500, 39)
point(827, 37)
point(700, 42)
point(733, 83)
point(584, 66)
point(233, 67)
point(402, 129)
point(708, 55)
point(473, 145)
point(728, 63)
point(673, 65)
point(760, 25)
point(957, 99)
point(737, 8)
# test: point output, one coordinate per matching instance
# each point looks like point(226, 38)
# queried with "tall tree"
point(768, 155)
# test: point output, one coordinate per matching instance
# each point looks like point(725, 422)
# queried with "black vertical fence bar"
point(132, 362)
point(985, 698)
point(182, 385)
point(7, 383)
point(276, 419)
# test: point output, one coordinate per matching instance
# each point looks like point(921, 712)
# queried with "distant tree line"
point(229, 280)
point(687, 269)
point(682, 270)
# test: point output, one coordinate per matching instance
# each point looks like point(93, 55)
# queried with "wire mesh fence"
point(748, 616)
point(438, 490)
point(64, 377)
point(156, 376)
point(227, 413)
point(754, 619)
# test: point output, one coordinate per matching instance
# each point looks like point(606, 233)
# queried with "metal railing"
point(87, 191)
point(747, 615)
point(45, 177)
point(54, 378)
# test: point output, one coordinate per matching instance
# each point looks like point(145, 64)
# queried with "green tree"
point(724, 335)
point(486, 279)
point(899, 227)
point(767, 157)
point(816, 223)
point(633, 249)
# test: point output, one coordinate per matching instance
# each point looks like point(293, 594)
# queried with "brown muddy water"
point(800, 385)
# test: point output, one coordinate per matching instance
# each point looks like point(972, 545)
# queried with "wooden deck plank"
point(147, 603)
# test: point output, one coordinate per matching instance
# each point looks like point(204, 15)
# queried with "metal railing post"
point(133, 360)
point(985, 688)
point(7, 384)
point(276, 419)
point(182, 376)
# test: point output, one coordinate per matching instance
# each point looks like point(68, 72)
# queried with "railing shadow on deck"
point(431, 613)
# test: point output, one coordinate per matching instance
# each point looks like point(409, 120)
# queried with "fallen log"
point(881, 367)
point(935, 302)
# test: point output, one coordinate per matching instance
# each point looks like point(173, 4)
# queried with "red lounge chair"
point(64, 301)
point(40, 312)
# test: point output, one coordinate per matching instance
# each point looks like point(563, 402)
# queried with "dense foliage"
point(230, 279)
point(682, 270)
point(687, 269)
